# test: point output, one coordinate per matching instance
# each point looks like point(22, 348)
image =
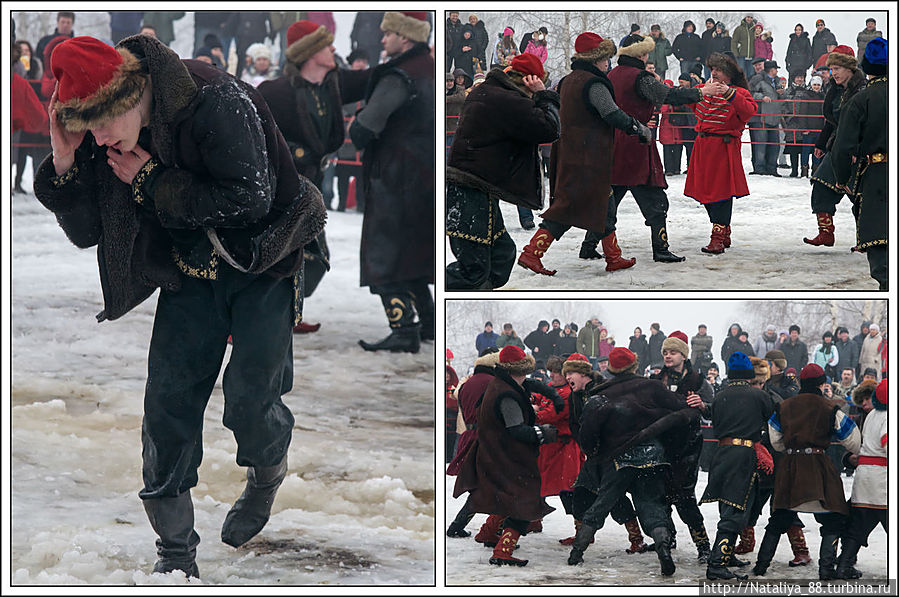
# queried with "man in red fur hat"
point(579, 196)
point(177, 171)
point(500, 472)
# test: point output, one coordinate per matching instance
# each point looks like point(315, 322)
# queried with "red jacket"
point(560, 461)
point(28, 114)
point(668, 133)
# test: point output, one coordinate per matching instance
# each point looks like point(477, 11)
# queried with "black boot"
point(404, 332)
point(701, 539)
point(588, 251)
point(252, 509)
point(663, 550)
point(582, 540)
point(721, 554)
point(827, 557)
point(766, 552)
point(660, 250)
point(457, 526)
point(846, 564)
point(173, 520)
point(424, 304)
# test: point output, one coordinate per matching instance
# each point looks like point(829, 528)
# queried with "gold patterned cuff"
point(66, 178)
point(141, 178)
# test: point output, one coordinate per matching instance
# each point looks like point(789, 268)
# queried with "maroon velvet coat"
point(634, 163)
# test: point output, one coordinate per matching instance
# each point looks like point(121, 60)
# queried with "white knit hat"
point(258, 50)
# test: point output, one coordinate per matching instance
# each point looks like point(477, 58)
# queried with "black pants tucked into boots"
point(720, 212)
point(190, 335)
point(652, 201)
point(173, 520)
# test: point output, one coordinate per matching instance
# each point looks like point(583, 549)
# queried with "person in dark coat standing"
point(860, 153)
point(656, 339)
point(500, 472)
point(628, 430)
point(65, 23)
point(306, 102)
point(639, 346)
point(806, 481)
point(469, 395)
point(589, 117)
point(395, 131)
point(707, 37)
point(847, 348)
point(494, 158)
point(453, 40)
point(481, 41)
point(178, 173)
point(738, 414)
point(688, 47)
point(795, 350)
point(823, 38)
point(486, 339)
point(732, 343)
point(847, 81)
point(680, 377)
point(567, 344)
point(637, 167)
point(701, 349)
point(540, 343)
point(366, 34)
point(799, 51)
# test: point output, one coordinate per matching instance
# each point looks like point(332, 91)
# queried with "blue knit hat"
point(875, 60)
point(740, 367)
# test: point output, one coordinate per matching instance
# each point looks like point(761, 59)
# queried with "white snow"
point(767, 251)
point(357, 507)
point(606, 563)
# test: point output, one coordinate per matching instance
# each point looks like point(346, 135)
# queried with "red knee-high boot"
point(502, 553)
point(489, 532)
point(716, 244)
point(534, 250)
point(825, 231)
point(614, 260)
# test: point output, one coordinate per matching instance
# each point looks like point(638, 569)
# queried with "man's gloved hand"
point(644, 133)
point(537, 387)
point(550, 433)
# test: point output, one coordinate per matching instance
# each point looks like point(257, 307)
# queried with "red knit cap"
point(586, 42)
point(528, 64)
point(811, 371)
point(590, 46)
point(96, 82)
point(842, 56)
point(515, 361)
point(511, 354)
point(449, 354)
point(881, 392)
point(305, 38)
point(577, 363)
point(620, 359)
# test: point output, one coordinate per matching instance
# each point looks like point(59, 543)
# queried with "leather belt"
point(875, 460)
point(735, 441)
point(877, 158)
point(805, 451)
point(726, 138)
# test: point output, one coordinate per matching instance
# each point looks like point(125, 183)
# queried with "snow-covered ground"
point(767, 251)
point(606, 563)
point(357, 507)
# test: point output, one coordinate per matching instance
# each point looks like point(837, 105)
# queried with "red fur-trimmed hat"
point(590, 46)
point(411, 24)
point(811, 377)
point(515, 361)
point(577, 363)
point(622, 360)
point(677, 341)
point(528, 64)
point(305, 38)
point(843, 56)
point(96, 82)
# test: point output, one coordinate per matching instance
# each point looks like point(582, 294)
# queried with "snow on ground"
point(767, 251)
point(606, 563)
point(357, 507)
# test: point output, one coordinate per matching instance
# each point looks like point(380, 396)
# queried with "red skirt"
point(716, 171)
point(559, 465)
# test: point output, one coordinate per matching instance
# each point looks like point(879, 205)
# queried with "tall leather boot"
point(797, 544)
point(747, 541)
point(803, 172)
point(424, 305)
point(846, 564)
point(766, 552)
point(701, 540)
point(663, 550)
point(534, 250)
point(825, 231)
point(404, 332)
point(588, 250)
point(719, 558)
point(827, 557)
point(502, 553)
point(727, 236)
point(457, 526)
point(173, 520)
point(582, 540)
point(716, 244)
point(635, 537)
point(614, 260)
point(660, 251)
point(254, 506)
point(489, 531)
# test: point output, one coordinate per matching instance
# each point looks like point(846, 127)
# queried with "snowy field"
point(606, 563)
point(767, 251)
point(357, 507)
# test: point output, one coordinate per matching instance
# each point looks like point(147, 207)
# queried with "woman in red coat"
point(715, 175)
point(669, 137)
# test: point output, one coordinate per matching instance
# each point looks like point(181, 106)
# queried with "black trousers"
point(824, 199)
point(680, 490)
point(647, 488)
point(720, 212)
point(732, 520)
point(190, 334)
point(864, 520)
point(343, 172)
point(652, 201)
point(832, 523)
point(877, 265)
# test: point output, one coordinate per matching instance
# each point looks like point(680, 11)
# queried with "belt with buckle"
point(805, 451)
point(735, 441)
point(877, 158)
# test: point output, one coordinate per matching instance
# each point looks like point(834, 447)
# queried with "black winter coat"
point(796, 354)
point(799, 54)
point(481, 41)
point(640, 347)
point(687, 46)
point(836, 97)
point(655, 349)
point(236, 172)
point(820, 42)
point(541, 345)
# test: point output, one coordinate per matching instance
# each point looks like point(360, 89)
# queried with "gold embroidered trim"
point(141, 178)
point(491, 238)
point(65, 178)
point(297, 315)
point(752, 482)
point(208, 272)
point(618, 466)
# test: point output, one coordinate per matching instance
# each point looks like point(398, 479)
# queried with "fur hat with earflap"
point(591, 47)
point(636, 46)
point(863, 391)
